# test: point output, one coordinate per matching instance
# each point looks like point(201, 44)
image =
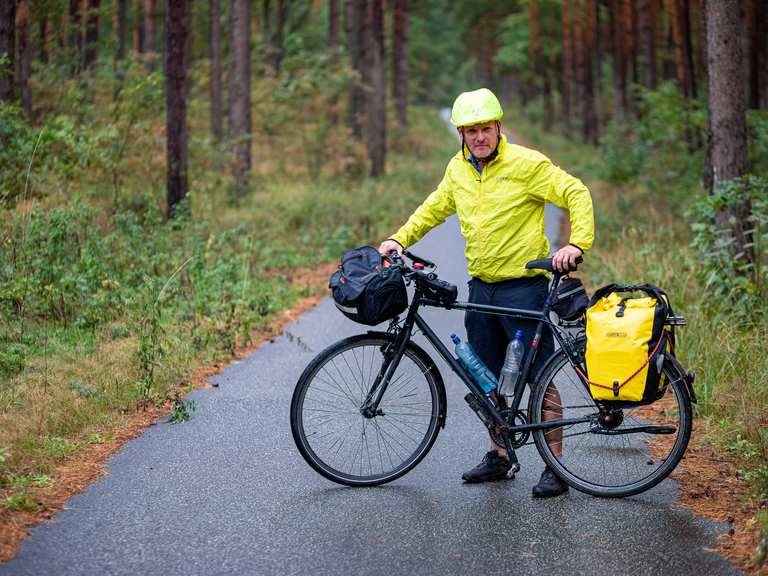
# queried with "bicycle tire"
point(609, 465)
point(329, 394)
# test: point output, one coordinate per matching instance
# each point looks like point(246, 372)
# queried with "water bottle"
point(472, 363)
point(513, 364)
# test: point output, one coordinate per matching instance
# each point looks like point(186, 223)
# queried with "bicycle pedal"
point(515, 468)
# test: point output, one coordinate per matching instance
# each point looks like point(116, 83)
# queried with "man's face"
point(481, 139)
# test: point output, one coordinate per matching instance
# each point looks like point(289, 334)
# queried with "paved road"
point(227, 493)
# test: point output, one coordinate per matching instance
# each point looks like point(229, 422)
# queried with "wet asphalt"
point(228, 493)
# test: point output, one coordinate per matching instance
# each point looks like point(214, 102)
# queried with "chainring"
point(518, 439)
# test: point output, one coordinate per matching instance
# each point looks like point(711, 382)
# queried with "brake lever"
point(419, 259)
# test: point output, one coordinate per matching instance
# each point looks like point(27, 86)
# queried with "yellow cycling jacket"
point(502, 211)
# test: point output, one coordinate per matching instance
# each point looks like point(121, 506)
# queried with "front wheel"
point(330, 428)
point(618, 452)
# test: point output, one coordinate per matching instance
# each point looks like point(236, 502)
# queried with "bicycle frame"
point(486, 404)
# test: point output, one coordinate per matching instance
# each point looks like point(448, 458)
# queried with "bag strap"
point(649, 289)
point(616, 386)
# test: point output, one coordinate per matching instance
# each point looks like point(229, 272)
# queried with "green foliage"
point(23, 501)
point(735, 277)
point(181, 410)
point(35, 160)
point(663, 147)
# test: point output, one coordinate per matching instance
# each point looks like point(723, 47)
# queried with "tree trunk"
point(333, 25)
point(7, 49)
point(376, 91)
point(215, 32)
point(549, 23)
point(122, 29)
point(534, 49)
point(678, 15)
point(756, 40)
point(762, 49)
point(356, 34)
point(589, 124)
point(23, 56)
point(42, 39)
point(176, 59)
point(278, 40)
point(618, 36)
point(630, 16)
point(727, 111)
point(266, 34)
point(566, 87)
point(727, 107)
point(149, 36)
point(240, 91)
point(400, 61)
point(76, 35)
point(92, 33)
point(647, 37)
point(598, 50)
point(138, 32)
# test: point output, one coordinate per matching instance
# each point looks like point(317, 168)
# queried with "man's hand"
point(564, 259)
point(390, 246)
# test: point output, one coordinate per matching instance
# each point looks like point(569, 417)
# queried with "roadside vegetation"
point(106, 306)
point(655, 223)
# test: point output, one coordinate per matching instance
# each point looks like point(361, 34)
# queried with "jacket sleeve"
point(432, 212)
point(552, 184)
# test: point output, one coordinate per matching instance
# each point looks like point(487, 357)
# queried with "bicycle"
point(368, 408)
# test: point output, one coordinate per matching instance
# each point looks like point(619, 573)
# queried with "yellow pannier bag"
point(626, 342)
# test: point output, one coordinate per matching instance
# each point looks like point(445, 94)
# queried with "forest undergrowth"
point(105, 306)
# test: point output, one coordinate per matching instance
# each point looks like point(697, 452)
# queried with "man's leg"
point(530, 294)
point(488, 339)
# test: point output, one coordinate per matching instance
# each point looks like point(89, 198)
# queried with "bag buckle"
point(615, 387)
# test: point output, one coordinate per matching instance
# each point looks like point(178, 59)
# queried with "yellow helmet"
point(476, 107)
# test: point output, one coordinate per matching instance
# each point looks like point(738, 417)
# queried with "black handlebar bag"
point(367, 290)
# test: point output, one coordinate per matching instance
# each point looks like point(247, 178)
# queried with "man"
point(498, 190)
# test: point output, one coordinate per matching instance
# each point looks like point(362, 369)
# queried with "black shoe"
point(492, 468)
point(549, 485)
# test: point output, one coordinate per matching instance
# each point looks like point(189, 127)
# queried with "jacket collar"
point(465, 154)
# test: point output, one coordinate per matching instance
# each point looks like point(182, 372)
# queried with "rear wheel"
point(619, 451)
point(329, 426)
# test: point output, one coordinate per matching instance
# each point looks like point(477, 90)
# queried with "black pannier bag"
point(367, 291)
point(571, 299)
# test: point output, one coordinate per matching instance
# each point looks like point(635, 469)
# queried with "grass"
point(119, 306)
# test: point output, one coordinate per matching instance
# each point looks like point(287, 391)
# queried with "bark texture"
point(357, 24)
point(7, 49)
point(92, 33)
point(176, 61)
point(122, 29)
point(566, 82)
point(278, 40)
point(24, 56)
point(215, 41)
point(150, 50)
point(647, 12)
point(619, 35)
point(376, 137)
point(240, 91)
point(400, 61)
point(727, 106)
point(76, 35)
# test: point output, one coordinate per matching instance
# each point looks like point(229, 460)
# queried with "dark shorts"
point(489, 334)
